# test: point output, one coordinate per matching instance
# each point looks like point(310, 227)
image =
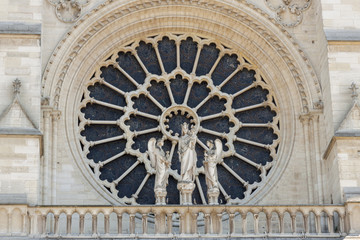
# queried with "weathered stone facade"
point(307, 54)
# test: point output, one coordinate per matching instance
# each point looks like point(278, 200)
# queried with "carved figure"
point(160, 161)
point(187, 153)
point(212, 157)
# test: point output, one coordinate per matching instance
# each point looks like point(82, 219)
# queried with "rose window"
point(151, 86)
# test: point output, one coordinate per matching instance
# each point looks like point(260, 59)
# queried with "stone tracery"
point(148, 87)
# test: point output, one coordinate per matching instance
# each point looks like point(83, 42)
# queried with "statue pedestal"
point(213, 196)
point(160, 195)
point(186, 189)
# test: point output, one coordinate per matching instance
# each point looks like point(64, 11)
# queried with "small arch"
point(250, 223)
point(324, 222)
point(299, 222)
point(262, 223)
point(275, 222)
point(100, 223)
point(336, 222)
point(238, 221)
point(16, 221)
point(312, 222)
point(88, 223)
point(3, 221)
point(287, 222)
point(75, 223)
point(50, 223)
point(225, 223)
point(113, 221)
point(62, 223)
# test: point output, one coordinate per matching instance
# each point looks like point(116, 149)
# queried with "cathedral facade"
point(96, 93)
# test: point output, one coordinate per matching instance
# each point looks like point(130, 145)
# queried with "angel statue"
point(187, 153)
point(160, 161)
point(212, 157)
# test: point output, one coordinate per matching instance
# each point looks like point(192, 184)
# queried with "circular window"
point(151, 86)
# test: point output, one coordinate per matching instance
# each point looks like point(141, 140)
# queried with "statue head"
point(184, 128)
point(210, 144)
point(160, 142)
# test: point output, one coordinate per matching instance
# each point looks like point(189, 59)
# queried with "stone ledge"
point(20, 28)
point(19, 131)
point(342, 35)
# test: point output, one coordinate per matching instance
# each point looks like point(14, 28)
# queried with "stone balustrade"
point(174, 220)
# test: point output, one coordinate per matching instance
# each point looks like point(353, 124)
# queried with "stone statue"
point(212, 157)
point(160, 161)
point(187, 153)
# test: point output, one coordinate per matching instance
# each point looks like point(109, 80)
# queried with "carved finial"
point(17, 86)
point(354, 94)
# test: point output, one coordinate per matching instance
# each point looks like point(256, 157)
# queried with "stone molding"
point(20, 28)
point(129, 8)
point(68, 11)
point(285, 11)
point(112, 24)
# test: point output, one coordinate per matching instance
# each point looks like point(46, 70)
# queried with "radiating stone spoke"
point(156, 102)
point(136, 194)
point(132, 80)
point(196, 60)
point(216, 115)
point(202, 102)
point(202, 144)
point(159, 59)
point(147, 115)
point(187, 92)
point(229, 77)
point(142, 64)
point(168, 87)
point(247, 160)
point(233, 173)
point(215, 64)
point(251, 142)
point(263, 104)
point(265, 125)
point(109, 105)
point(116, 182)
point(227, 197)
point(243, 90)
point(150, 130)
point(113, 87)
point(103, 163)
point(205, 130)
point(200, 190)
point(104, 122)
point(106, 140)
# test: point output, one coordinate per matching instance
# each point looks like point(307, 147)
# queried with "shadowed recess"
point(212, 106)
point(131, 182)
point(175, 163)
point(239, 81)
point(254, 153)
point(198, 92)
point(167, 50)
point(139, 123)
point(188, 50)
point(200, 155)
point(117, 79)
point(101, 152)
point(208, 56)
point(178, 88)
point(225, 67)
point(247, 172)
point(146, 105)
point(147, 195)
point(147, 54)
point(129, 64)
point(140, 142)
point(172, 192)
point(257, 115)
point(98, 112)
point(116, 168)
point(102, 93)
point(228, 182)
point(260, 135)
point(203, 186)
point(251, 97)
point(221, 124)
point(196, 198)
point(159, 91)
point(98, 132)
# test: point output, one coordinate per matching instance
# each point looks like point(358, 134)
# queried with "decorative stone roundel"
point(148, 88)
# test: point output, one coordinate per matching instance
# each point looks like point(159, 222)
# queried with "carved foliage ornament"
point(68, 10)
point(289, 13)
point(148, 88)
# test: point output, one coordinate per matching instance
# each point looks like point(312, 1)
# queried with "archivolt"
point(243, 13)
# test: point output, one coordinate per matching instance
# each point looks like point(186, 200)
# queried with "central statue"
point(187, 153)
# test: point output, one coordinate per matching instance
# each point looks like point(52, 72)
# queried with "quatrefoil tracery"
point(149, 88)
